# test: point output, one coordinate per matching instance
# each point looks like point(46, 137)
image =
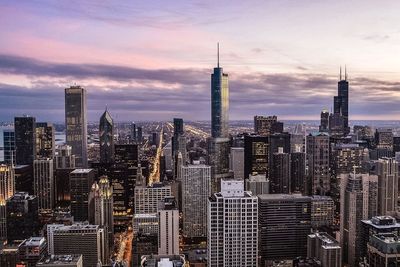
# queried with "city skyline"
point(148, 63)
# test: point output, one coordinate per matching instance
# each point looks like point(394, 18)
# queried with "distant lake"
point(59, 138)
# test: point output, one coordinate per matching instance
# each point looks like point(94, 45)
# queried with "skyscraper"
point(43, 183)
point(280, 173)
point(133, 133)
point(388, 182)
point(139, 136)
point(318, 164)
point(64, 164)
point(297, 172)
point(232, 227)
point(168, 231)
point(81, 181)
point(341, 105)
point(106, 136)
point(25, 139)
point(284, 222)
point(7, 188)
point(101, 207)
point(358, 201)
point(196, 188)
point(45, 143)
point(7, 145)
point(178, 146)
point(219, 103)
point(76, 123)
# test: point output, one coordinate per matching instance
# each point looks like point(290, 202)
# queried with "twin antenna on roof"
point(345, 73)
point(218, 55)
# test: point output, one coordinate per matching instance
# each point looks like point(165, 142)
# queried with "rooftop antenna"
point(218, 54)
point(345, 73)
point(340, 75)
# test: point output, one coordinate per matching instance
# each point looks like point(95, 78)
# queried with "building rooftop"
point(328, 241)
point(78, 171)
point(282, 196)
point(77, 226)
point(382, 222)
point(34, 242)
point(59, 260)
point(21, 196)
point(163, 261)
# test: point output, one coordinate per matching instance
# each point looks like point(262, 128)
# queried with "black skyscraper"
point(297, 172)
point(284, 222)
point(341, 102)
point(106, 136)
point(81, 181)
point(25, 140)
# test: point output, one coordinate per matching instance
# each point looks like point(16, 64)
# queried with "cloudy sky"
point(151, 60)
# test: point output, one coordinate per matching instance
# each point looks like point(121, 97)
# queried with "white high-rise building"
point(168, 230)
point(196, 188)
point(43, 182)
point(236, 162)
point(232, 227)
point(148, 197)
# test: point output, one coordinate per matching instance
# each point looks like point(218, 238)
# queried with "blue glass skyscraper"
point(219, 103)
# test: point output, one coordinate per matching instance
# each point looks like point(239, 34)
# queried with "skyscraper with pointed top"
point(219, 102)
point(106, 135)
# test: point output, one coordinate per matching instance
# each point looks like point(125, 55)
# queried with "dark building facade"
point(22, 216)
point(76, 123)
point(284, 223)
point(280, 175)
point(106, 136)
point(25, 140)
point(324, 124)
point(297, 172)
point(81, 181)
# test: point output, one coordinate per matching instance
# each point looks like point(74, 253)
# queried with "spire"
point(218, 54)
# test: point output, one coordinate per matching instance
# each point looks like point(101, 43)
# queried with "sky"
point(152, 60)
